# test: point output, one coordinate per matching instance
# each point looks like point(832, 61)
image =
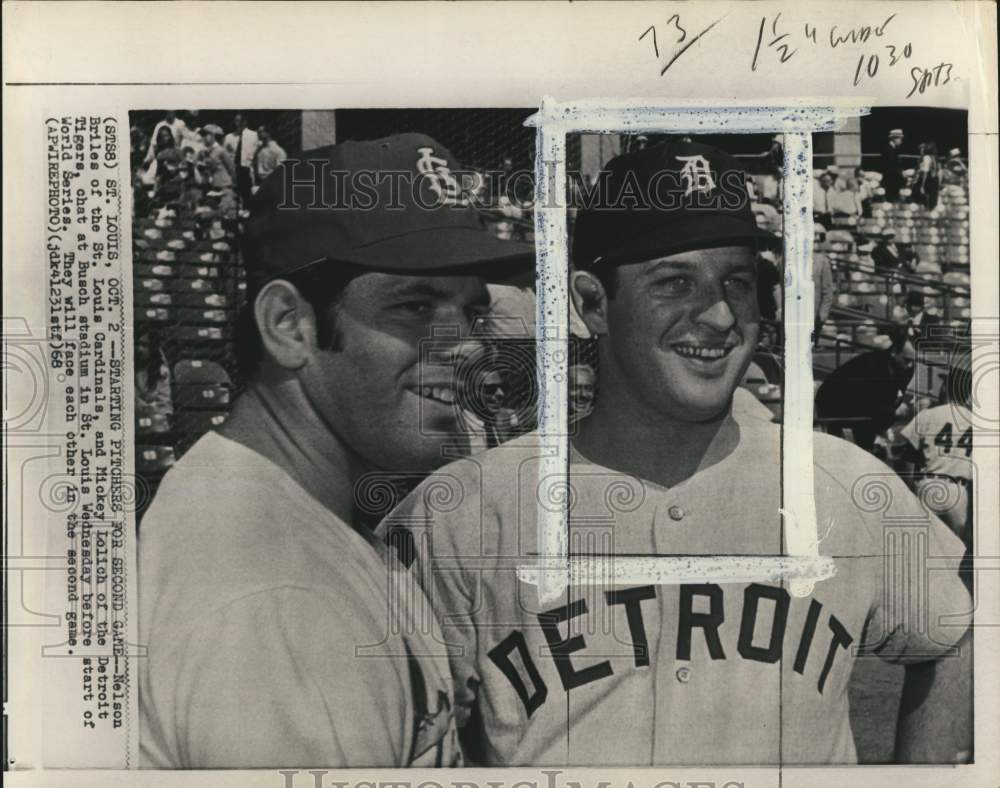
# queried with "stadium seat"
point(201, 396)
point(153, 314)
point(200, 422)
point(152, 424)
point(202, 299)
point(148, 298)
point(153, 460)
point(198, 272)
point(162, 270)
point(197, 316)
point(193, 286)
point(198, 371)
point(754, 375)
point(191, 334)
point(153, 285)
point(770, 365)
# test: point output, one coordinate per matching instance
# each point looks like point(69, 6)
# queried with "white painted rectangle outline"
point(802, 566)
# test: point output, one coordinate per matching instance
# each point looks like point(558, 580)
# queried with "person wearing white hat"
point(892, 170)
point(954, 171)
point(887, 254)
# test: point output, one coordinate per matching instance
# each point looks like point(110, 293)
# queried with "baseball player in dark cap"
point(271, 622)
point(649, 674)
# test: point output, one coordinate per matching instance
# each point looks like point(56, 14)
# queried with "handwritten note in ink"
point(863, 50)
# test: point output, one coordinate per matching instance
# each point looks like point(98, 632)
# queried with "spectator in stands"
point(168, 164)
point(859, 193)
point(918, 321)
point(163, 141)
point(954, 172)
point(890, 256)
point(139, 144)
point(768, 217)
point(177, 129)
point(241, 144)
point(152, 376)
point(217, 164)
point(892, 169)
point(850, 200)
point(582, 391)
point(776, 156)
point(191, 179)
point(638, 142)
point(824, 292)
point(768, 285)
point(927, 180)
point(189, 160)
point(492, 409)
point(268, 156)
point(863, 394)
point(823, 200)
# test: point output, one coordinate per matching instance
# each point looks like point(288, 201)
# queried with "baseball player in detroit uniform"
point(694, 673)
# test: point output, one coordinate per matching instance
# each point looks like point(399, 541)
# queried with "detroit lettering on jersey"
point(679, 667)
point(760, 636)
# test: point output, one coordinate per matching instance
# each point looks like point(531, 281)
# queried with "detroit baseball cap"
point(669, 198)
point(395, 204)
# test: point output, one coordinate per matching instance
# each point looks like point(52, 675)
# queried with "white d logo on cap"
point(696, 174)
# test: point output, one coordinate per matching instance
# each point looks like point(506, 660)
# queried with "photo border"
point(802, 566)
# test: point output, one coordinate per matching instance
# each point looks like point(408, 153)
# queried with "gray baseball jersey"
point(943, 434)
point(276, 634)
point(652, 675)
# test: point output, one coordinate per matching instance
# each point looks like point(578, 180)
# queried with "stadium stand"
point(189, 280)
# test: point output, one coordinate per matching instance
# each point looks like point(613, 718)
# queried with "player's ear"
point(590, 300)
point(286, 323)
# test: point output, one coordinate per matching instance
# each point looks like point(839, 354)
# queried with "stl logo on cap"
point(696, 174)
point(441, 181)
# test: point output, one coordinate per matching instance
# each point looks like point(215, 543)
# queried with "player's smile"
point(705, 358)
point(682, 328)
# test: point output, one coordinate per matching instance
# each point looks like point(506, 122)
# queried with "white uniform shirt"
point(271, 638)
point(660, 675)
point(250, 144)
point(943, 434)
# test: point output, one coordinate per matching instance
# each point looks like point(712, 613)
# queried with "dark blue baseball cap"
point(669, 198)
point(400, 204)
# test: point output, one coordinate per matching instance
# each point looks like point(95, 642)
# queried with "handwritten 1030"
point(783, 41)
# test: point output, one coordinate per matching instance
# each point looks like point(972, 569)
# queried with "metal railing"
point(943, 290)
